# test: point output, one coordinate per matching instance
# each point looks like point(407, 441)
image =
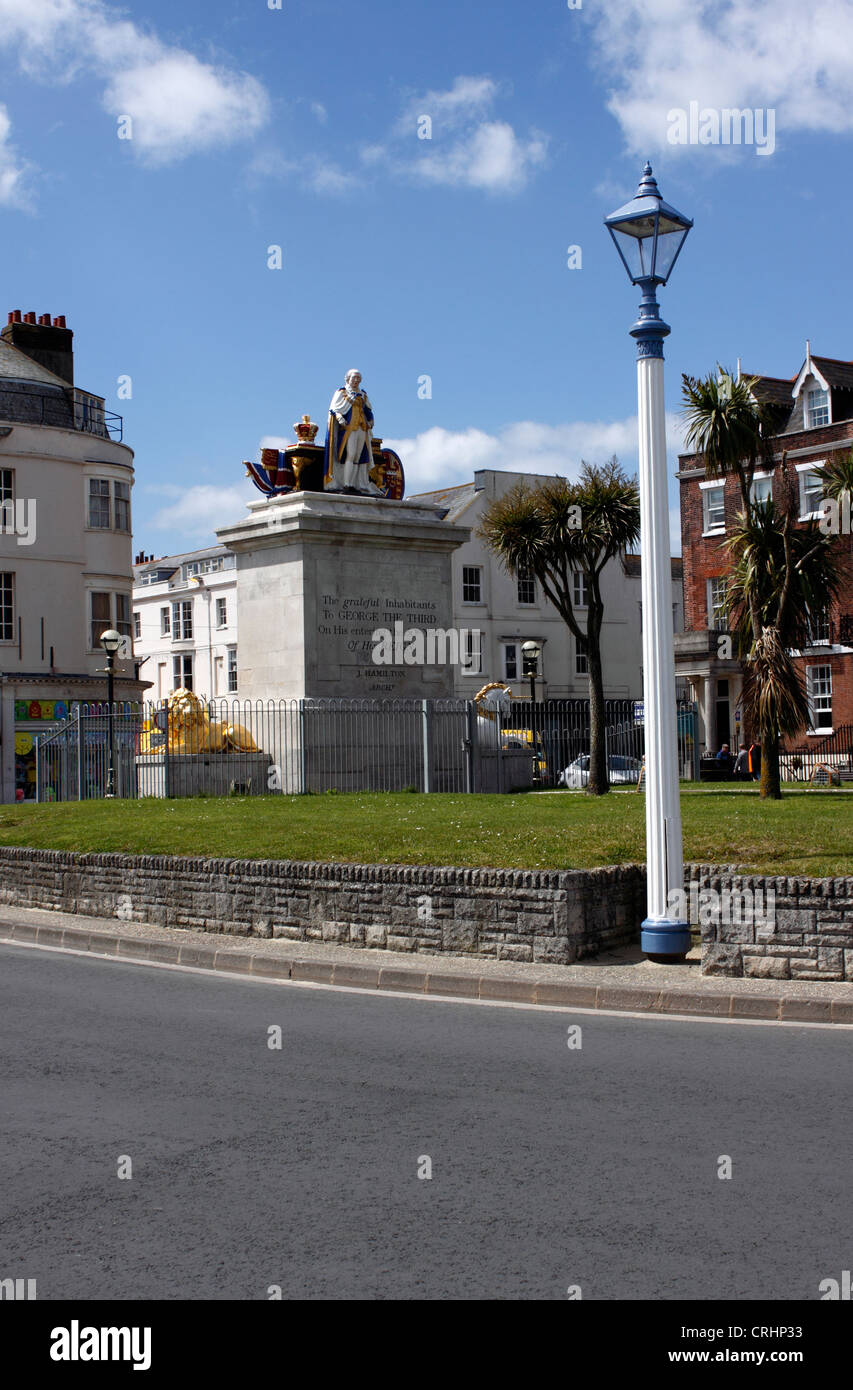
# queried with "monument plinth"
point(320, 573)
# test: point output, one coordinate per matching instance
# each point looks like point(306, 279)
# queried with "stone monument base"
point(319, 575)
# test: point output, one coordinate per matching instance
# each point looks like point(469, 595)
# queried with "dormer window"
point(817, 408)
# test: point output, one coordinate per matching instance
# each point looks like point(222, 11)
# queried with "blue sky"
point(255, 127)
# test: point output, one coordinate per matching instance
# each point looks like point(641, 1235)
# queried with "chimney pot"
point(59, 321)
point(30, 317)
point(11, 318)
point(17, 318)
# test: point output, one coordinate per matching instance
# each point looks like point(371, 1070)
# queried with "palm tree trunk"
point(599, 781)
point(771, 783)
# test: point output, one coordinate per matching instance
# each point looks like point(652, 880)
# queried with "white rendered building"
point(65, 543)
point(185, 622)
point(509, 612)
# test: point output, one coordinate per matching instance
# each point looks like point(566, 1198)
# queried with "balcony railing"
point(65, 409)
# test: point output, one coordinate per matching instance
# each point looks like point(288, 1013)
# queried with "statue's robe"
point(349, 443)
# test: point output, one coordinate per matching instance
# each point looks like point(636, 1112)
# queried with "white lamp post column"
point(649, 234)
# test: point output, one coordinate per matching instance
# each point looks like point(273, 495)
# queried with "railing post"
point(303, 751)
point(427, 724)
point(470, 735)
point(79, 754)
point(167, 773)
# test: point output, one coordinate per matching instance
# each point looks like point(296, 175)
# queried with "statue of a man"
point(349, 439)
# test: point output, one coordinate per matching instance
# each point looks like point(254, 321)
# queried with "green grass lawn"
point(807, 833)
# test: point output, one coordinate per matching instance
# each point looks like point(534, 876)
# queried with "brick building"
point(812, 415)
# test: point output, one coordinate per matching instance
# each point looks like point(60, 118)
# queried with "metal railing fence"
point(256, 748)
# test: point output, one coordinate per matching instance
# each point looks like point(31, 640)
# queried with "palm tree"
point(783, 578)
point(726, 426)
point(555, 530)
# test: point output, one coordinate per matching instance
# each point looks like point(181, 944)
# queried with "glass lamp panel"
point(635, 241)
point(668, 246)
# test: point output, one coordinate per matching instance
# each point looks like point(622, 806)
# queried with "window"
point(817, 409)
point(99, 504)
point(581, 662)
point(713, 509)
point(208, 566)
point(182, 672)
point(101, 612)
point(472, 655)
point(137, 625)
point(472, 584)
point(761, 490)
point(221, 613)
point(510, 653)
point(232, 670)
point(811, 493)
point(580, 590)
point(526, 585)
point(182, 622)
point(7, 608)
point(717, 592)
point(819, 629)
point(819, 691)
point(7, 485)
point(165, 622)
point(121, 497)
point(123, 624)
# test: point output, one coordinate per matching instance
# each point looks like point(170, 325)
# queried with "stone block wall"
point(809, 934)
point(503, 914)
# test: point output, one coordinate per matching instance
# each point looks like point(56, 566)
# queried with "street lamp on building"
point(111, 641)
point(530, 654)
point(649, 235)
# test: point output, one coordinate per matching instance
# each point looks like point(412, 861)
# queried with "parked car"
point(620, 770)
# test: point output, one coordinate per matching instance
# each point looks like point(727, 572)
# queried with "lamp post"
point(111, 641)
point(649, 234)
point(530, 654)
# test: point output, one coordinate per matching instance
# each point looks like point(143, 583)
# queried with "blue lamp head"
point(648, 233)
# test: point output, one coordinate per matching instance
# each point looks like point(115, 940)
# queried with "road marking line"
point(374, 992)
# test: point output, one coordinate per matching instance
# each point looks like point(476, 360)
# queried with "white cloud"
point(198, 511)
point(440, 458)
point(309, 171)
point(467, 147)
point(14, 172)
point(492, 157)
point(767, 54)
point(178, 103)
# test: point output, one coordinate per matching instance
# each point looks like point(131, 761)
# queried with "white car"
point(620, 770)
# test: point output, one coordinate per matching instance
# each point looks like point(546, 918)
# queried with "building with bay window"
point(185, 622)
point(811, 415)
point(65, 542)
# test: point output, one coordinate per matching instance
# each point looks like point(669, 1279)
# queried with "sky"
point(154, 155)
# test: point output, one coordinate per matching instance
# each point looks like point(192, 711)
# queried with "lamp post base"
point(666, 940)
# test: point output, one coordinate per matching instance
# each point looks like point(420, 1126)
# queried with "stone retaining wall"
point(559, 916)
point(546, 916)
point(808, 934)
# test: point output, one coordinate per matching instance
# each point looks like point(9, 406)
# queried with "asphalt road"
point(551, 1167)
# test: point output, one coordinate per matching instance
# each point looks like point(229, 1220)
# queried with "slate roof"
point(773, 390)
point(17, 366)
point(834, 371)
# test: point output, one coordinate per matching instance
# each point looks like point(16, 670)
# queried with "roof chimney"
point(49, 344)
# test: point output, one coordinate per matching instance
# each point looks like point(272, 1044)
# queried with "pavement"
point(154, 1145)
point(621, 981)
